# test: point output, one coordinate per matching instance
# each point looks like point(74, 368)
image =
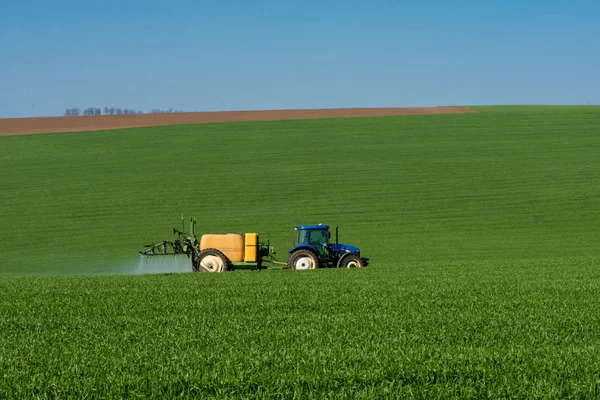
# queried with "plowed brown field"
point(22, 126)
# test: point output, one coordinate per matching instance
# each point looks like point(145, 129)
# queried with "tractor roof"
point(312, 227)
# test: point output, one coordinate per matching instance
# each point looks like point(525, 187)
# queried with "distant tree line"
point(74, 112)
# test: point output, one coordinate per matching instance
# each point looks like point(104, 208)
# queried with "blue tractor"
point(314, 250)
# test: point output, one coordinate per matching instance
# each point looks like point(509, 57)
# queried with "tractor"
point(229, 251)
point(314, 250)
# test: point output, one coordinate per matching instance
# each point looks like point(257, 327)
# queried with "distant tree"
point(167, 111)
point(70, 112)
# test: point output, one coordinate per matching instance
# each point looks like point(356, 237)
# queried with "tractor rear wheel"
point(351, 261)
point(303, 260)
point(211, 260)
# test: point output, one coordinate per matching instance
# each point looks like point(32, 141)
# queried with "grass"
point(518, 329)
point(482, 231)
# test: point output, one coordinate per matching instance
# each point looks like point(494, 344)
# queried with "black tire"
point(303, 260)
point(350, 261)
point(211, 260)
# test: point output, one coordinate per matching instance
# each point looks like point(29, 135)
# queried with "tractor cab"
point(317, 236)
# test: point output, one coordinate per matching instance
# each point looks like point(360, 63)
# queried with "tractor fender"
point(304, 246)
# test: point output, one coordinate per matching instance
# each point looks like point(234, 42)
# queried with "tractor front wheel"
point(211, 260)
point(303, 260)
point(351, 261)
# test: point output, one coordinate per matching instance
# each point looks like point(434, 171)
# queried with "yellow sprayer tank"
point(230, 244)
point(251, 248)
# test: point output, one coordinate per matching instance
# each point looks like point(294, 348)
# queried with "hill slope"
point(505, 183)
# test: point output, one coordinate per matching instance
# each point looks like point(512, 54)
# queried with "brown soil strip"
point(23, 126)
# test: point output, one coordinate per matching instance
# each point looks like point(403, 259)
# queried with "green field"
point(483, 232)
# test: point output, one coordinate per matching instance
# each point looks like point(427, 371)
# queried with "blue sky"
point(232, 55)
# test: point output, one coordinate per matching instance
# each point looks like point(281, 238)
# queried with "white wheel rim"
point(304, 263)
point(212, 263)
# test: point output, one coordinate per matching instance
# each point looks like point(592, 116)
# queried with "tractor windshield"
point(314, 237)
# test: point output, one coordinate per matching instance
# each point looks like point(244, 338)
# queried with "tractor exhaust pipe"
point(337, 244)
